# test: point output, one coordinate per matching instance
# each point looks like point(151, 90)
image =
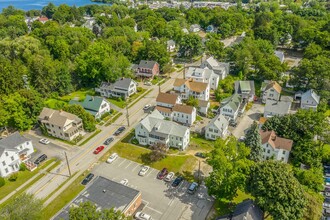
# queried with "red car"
point(98, 149)
point(162, 173)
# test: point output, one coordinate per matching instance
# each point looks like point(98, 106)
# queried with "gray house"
point(309, 100)
point(219, 68)
point(245, 89)
point(246, 210)
point(123, 87)
point(278, 108)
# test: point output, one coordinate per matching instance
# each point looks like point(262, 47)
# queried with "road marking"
point(155, 210)
point(135, 167)
point(128, 164)
point(150, 172)
point(170, 202)
point(122, 162)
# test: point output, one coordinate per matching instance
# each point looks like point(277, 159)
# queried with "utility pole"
point(184, 71)
point(67, 162)
point(199, 171)
point(127, 116)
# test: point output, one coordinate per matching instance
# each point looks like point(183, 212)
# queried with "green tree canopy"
point(253, 140)
point(88, 119)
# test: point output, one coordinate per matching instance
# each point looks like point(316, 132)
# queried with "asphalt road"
point(160, 199)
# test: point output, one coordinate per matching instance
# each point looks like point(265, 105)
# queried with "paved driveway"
point(245, 121)
point(160, 200)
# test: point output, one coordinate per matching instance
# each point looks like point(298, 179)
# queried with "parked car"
point(200, 154)
point(112, 158)
point(40, 159)
point(169, 177)
point(108, 141)
point(124, 182)
point(87, 179)
point(177, 181)
point(161, 175)
point(241, 139)
point(44, 141)
point(327, 179)
point(119, 131)
point(146, 107)
point(142, 216)
point(98, 149)
point(192, 188)
point(144, 170)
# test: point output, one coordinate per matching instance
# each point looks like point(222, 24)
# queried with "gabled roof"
point(183, 108)
point(271, 138)
point(219, 121)
point(195, 72)
point(91, 104)
point(280, 55)
point(244, 85)
point(245, 210)
point(202, 103)
point(192, 85)
point(179, 82)
point(216, 65)
point(12, 141)
point(163, 109)
point(311, 93)
point(147, 64)
point(233, 102)
point(167, 98)
point(56, 117)
point(277, 107)
point(266, 85)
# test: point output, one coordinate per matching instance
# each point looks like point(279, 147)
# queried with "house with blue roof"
point(95, 105)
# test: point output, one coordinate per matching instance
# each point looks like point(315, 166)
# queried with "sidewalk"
point(42, 171)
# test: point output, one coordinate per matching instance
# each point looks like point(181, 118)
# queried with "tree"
point(190, 45)
point(312, 178)
point(49, 10)
point(87, 210)
point(2, 182)
point(230, 168)
point(215, 48)
point(23, 207)
point(276, 190)
point(87, 119)
point(253, 140)
point(193, 102)
point(158, 152)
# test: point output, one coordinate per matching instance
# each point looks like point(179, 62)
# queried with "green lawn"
point(137, 154)
point(199, 143)
point(64, 198)
point(80, 94)
point(55, 104)
point(122, 103)
point(23, 176)
point(113, 119)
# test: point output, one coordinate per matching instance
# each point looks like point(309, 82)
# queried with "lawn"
point(23, 176)
point(118, 102)
point(80, 94)
point(64, 198)
point(199, 143)
point(122, 103)
point(137, 154)
point(55, 104)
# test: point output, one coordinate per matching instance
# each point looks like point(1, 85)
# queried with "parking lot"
point(160, 199)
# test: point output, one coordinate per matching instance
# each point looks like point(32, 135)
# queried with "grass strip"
point(113, 119)
point(143, 95)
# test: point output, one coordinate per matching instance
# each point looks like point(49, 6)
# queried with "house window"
point(52, 125)
point(6, 170)
point(4, 163)
point(264, 150)
point(12, 158)
point(210, 129)
point(268, 151)
point(283, 152)
point(6, 154)
point(282, 159)
point(271, 95)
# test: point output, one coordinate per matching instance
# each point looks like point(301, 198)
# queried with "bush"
point(2, 182)
point(13, 177)
point(135, 141)
point(22, 167)
point(139, 89)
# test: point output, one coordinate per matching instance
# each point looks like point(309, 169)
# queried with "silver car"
point(144, 170)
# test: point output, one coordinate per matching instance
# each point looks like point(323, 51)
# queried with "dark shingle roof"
point(123, 83)
point(246, 210)
point(13, 141)
point(91, 103)
point(148, 64)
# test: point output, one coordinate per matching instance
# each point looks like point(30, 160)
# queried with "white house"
point(274, 147)
point(154, 129)
point(95, 105)
point(188, 87)
point(167, 100)
point(195, 28)
point(219, 68)
point(184, 114)
point(170, 45)
point(14, 150)
point(245, 89)
point(203, 75)
point(270, 90)
point(278, 108)
point(217, 128)
point(61, 124)
point(123, 87)
point(309, 100)
point(203, 106)
point(231, 107)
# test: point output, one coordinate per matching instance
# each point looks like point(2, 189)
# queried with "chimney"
point(273, 138)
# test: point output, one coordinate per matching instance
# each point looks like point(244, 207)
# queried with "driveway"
point(245, 121)
point(160, 200)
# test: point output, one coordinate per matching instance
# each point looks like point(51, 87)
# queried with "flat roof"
point(105, 194)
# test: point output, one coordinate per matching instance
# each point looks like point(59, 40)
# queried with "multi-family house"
point(231, 107)
point(217, 128)
point(203, 75)
point(275, 147)
point(146, 68)
point(278, 108)
point(170, 45)
point(189, 87)
point(95, 105)
point(153, 129)
point(309, 100)
point(270, 90)
point(219, 68)
point(170, 106)
point(123, 88)
point(14, 150)
point(61, 124)
point(245, 89)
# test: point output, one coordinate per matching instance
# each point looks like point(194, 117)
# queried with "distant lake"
point(39, 4)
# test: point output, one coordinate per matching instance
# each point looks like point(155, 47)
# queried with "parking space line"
point(135, 167)
point(149, 172)
point(128, 164)
point(155, 210)
point(122, 162)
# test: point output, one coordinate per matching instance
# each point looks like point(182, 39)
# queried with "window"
point(6, 170)
point(268, 151)
point(271, 95)
point(282, 159)
point(264, 150)
point(210, 129)
point(6, 154)
point(4, 163)
point(52, 125)
point(283, 152)
point(12, 158)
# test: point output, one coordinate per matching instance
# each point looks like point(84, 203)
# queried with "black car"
point(177, 181)
point(40, 159)
point(119, 130)
point(200, 154)
point(87, 179)
point(108, 141)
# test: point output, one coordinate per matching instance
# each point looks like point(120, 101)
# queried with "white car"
point(142, 216)
point(169, 177)
point(44, 141)
point(112, 158)
point(144, 170)
point(146, 107)
point(124, 182)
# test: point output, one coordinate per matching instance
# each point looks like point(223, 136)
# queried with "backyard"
point(121, 103)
